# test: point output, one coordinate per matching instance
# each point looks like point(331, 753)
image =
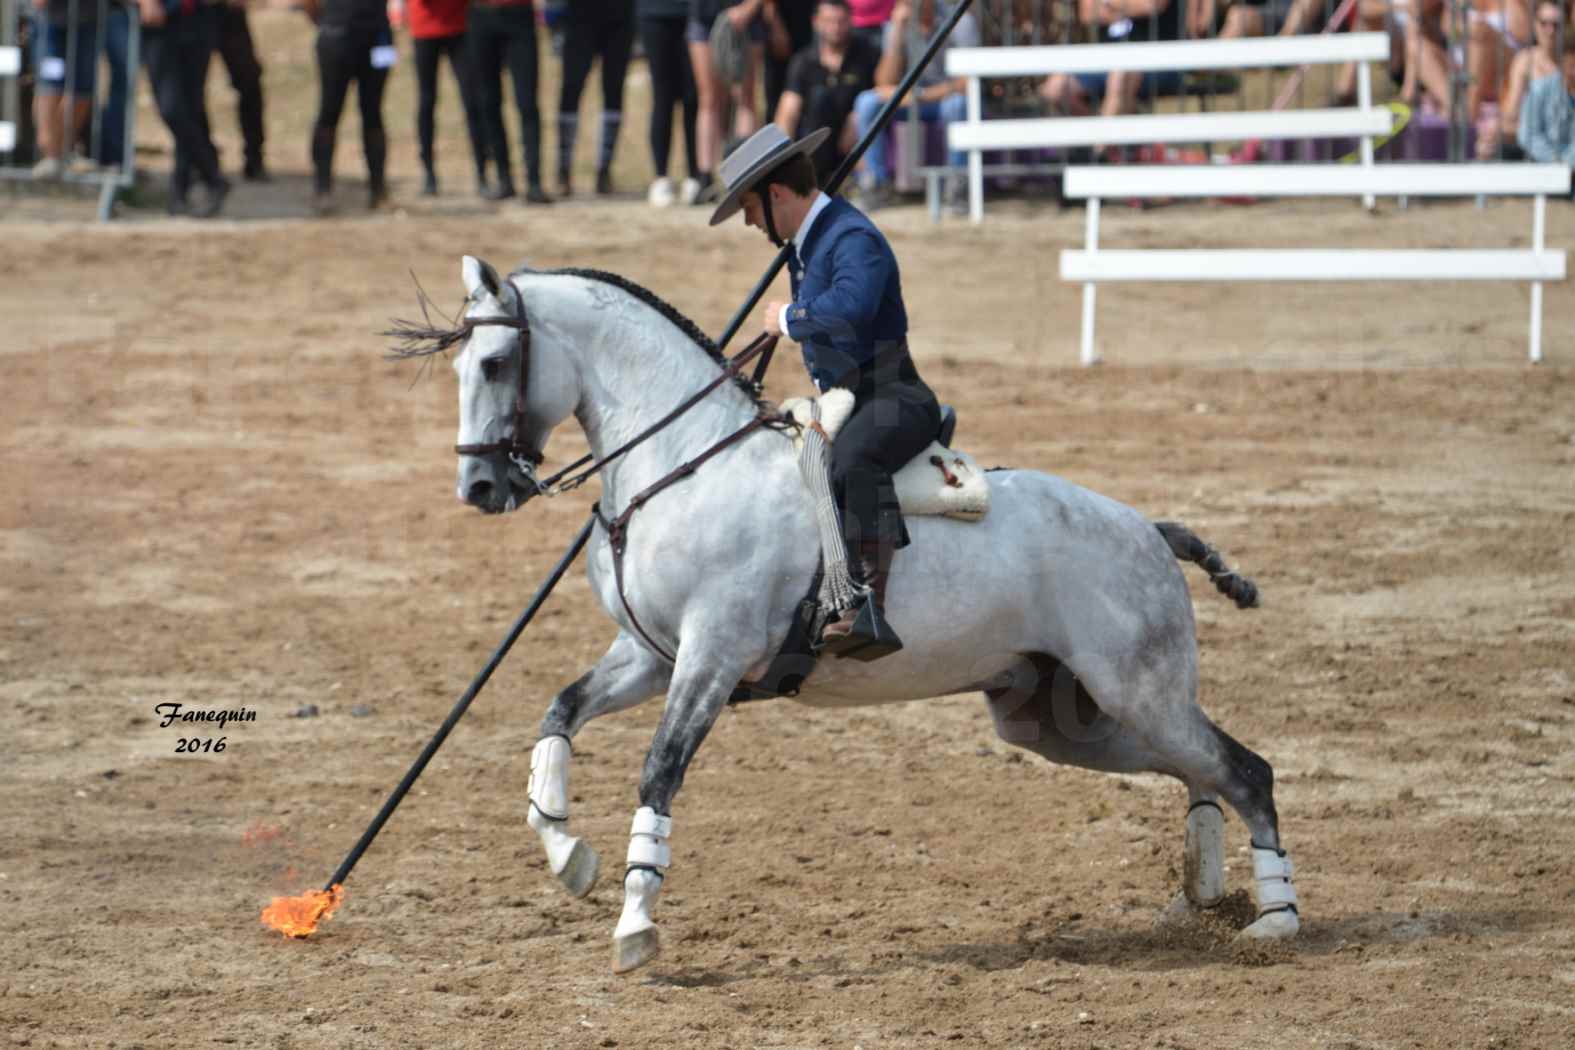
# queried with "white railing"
point(1535, 264)
point(975, 134)
point(10, 66)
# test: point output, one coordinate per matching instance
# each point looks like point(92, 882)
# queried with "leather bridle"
point(525, 457)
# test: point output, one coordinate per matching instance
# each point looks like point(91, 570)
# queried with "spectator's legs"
point(617, 43)
point(161, 57)
point(1121, 93)
point(746, 118)
point(712, 102)
point(1066, 95)
point(579, 51)
point(117, 32)
point(656, 38)
point(953, 108)
point(335, 66)
point(240, 60)
point(426, 53)
point(486, 46)
point(369, 84)
point(520, 45)
point(1485, 61)
point(876, 170)
point(199, 38)
point(60, 105)
point(458, 51)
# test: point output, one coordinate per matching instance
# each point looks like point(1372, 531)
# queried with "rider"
point(848, 316)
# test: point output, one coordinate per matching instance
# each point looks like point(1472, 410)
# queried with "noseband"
point(523, 456)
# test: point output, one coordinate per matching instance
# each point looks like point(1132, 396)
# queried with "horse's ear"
point(480, 276)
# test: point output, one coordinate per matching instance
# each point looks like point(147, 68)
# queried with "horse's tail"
point(1185, 544)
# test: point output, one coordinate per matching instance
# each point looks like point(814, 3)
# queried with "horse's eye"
point(490, 367)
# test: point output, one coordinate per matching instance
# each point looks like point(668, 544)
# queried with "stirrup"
point(870, 638)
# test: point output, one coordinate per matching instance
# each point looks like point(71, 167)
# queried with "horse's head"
point(513, 390)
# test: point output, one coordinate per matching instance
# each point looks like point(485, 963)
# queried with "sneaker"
point(80, 165)
point(212, 201)
point(501, 190)
point(565, 185)
point(376, 197)
point(689, 190)
point(660, 195)
point(429, 185)
point(534, 194)
point(604, 185)
point(49, 168)
point(322, 203)
point(256, 172)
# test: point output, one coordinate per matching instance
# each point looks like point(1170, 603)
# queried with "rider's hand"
point(771, 318)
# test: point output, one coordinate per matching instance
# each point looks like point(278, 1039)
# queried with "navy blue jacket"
point(847, 302)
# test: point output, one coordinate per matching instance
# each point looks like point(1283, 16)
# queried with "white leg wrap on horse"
point(634, 940)
point(1203, 858)
point(572, 861)
point(1277, 914)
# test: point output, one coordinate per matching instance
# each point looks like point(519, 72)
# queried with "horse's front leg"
point(627, 675)
point(700, 688)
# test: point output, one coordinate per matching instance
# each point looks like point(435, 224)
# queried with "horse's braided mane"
point(424, 340)
point(661, 306)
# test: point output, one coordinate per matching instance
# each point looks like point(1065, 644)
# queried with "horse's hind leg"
point(625, 676)
point(1048, 711)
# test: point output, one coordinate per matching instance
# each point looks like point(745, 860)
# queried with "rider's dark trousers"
point(895, 417)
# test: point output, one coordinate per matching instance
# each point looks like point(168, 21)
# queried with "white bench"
point(1093, 265)
point(975, 134)
point(10, 66)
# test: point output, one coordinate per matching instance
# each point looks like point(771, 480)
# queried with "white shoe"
point(689, 190)
point(661, 193)
point(49, 168)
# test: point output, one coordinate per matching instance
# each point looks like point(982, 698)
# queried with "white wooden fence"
point(1094, 265)
point(975, 134)
point(10, 66)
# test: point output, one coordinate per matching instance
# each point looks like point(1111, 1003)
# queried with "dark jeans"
point(891, 423)
point(112, 130)
point(343, 56)
point(177, 56)
point(499, 37)
point(672, 82)
point(427, 54)
point(240, 61)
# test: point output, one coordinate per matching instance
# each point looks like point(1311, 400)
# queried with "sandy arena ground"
point(218, 493)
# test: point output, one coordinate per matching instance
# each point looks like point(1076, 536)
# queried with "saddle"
point(940, 481)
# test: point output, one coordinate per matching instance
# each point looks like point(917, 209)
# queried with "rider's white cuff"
point(782, 319)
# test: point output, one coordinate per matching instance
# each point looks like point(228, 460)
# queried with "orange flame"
point(299, 916)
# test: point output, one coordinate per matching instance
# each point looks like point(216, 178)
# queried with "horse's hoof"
point(579, 872)
point(635, 949)
point(1276, 925)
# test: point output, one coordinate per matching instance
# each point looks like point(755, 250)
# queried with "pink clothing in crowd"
point(868, 13)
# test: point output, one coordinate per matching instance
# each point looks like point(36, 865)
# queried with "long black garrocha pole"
point(888, 111)
point(464, 702)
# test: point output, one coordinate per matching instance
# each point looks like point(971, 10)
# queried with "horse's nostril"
point(480, 492)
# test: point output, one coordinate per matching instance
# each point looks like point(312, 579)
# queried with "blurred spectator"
point(1532, 63)
point(725, 59)
point(437, 29)
point(938, 97)
point(1547, 120)
point(1495, 31)
point(1252, 18)
point(503, 33)
point(178, 38)
point(111, 151)
point(596, 28)
point(824, 81)
point(354, 42)
point(240, 61)
point(1117, 92)
point(797, 17)
point(65, 30)
point(870, 18)
point(662, 28)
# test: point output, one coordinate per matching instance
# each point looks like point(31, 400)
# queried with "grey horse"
point(1067, 609)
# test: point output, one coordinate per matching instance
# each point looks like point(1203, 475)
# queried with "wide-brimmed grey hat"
point(758, 156)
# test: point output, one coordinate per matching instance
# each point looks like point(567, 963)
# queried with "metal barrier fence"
point(68, 94)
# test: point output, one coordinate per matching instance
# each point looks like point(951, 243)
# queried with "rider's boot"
point(863, 633)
